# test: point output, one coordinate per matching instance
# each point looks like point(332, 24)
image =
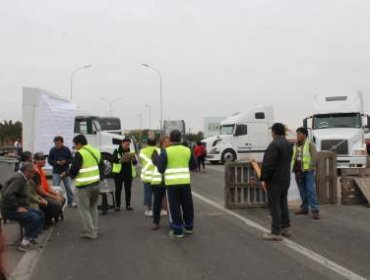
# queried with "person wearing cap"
point(15, 205)
point(275, 178)
point(176, 162)
point(303, 165)
point(126, 161)
point(60, 157)
point(87, 170)
point(54, 200)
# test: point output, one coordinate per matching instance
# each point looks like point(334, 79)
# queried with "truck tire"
point(108, 163)
point(228, 156)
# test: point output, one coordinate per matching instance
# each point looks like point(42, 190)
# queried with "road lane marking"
point(346, 273)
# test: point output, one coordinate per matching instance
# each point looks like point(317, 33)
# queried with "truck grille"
point(338, 146)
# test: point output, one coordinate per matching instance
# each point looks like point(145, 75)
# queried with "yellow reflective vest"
point(306, 156)
point(89, 172)
point(147, 166)
point(177, 171)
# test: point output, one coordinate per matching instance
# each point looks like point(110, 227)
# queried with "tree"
point(10, 132)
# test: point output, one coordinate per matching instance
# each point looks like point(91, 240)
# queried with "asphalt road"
point(222, 246)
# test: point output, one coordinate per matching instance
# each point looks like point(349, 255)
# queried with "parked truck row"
point(338, 124)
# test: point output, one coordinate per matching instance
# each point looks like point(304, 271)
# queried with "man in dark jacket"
point(276, 178)
point(15, 205)
point(60, 157)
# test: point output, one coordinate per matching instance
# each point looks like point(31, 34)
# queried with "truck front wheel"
point(228, 156)
point(108, 164)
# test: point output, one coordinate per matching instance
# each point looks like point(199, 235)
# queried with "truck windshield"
point(227, 129)
point(352, 120)
point(109, 124)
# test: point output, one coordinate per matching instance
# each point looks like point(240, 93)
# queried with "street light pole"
point(150, 115)
point(73, 74)
point(110, 101)
point(140, 125)
point(160, 93)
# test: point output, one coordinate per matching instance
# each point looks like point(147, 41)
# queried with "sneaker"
point(74, 205)
point(271, 237)
point(37, 244)
point(85, 235)
point(150, 213)
point(129, 208)
point(155, 227)
point(25, 248)
point(286, 232)
point(164, 213)
point(173, 235)
point(301, 212)
point(146, 213)
point(188, 231)
point(316, 215)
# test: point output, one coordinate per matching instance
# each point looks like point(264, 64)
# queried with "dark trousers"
point(118, 181)
point(32, 221)
point(201, 163)
point(159, 192)
point(181, 208)
point(278, 203)
point(51, 210)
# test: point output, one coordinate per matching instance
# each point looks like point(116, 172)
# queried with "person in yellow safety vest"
point(158, 186)
point(147, 169)
point(125, 159)
point(87, 170)
point(175, 162)
point(303, 166)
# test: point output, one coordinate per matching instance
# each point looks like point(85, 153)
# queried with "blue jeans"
point(148, 195)
point(307, 190)
point(67, 185)
point(32, 221)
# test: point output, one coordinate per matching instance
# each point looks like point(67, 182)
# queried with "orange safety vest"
point(44, 181)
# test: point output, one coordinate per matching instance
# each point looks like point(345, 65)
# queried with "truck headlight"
point(359, 153)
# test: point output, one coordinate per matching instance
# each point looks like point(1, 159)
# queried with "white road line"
point(27, 264)
point(346, 273)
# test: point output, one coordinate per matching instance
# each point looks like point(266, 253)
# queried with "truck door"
point(86, 127)
point(241, 141)
point(259, 138)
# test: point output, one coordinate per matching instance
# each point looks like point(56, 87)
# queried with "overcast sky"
point(216, 57)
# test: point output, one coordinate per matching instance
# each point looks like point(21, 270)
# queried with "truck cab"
point(338, 124)
point(243, 136)
point(104, 133)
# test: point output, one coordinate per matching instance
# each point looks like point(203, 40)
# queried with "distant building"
point(212, 126)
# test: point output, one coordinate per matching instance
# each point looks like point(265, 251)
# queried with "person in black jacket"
point(124, 156)
point(276, 178)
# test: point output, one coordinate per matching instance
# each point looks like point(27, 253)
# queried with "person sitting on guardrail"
point(304, 165)
point(15, 205)
point(54, 200)
point(275, 178)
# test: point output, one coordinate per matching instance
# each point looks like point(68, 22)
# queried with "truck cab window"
point(260, 116)
point(241, 129)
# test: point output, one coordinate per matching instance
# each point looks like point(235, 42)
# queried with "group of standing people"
point(280, 160)
point(166, 173)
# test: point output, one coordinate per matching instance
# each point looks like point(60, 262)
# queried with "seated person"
point(15, 205)
point(54, 200)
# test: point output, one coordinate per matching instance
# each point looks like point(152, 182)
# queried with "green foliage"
point(9, 132)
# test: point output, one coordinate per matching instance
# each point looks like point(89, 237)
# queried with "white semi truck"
point(339, 124)
point(243, 136)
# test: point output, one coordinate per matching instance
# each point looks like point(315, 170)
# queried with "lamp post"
point(110, 101)
point(150, 115)
point(160, 93)
point(140, 115)
point(73, 74)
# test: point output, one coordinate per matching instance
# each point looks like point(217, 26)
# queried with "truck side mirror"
point(305, 123)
